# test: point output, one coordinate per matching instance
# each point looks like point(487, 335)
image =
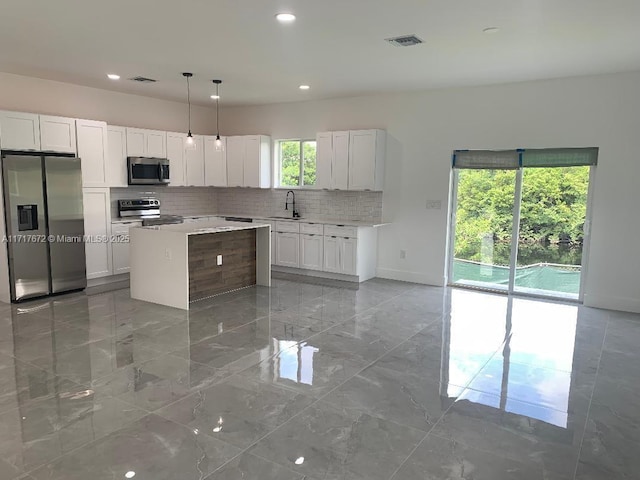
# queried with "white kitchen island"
point(177, 264)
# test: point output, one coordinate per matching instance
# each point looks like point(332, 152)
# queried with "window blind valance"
point(560, 157)
point(487, 159)
point(513, 159)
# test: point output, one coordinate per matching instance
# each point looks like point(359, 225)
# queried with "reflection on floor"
point(390, 381)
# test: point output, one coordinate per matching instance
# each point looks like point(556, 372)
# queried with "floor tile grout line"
point(588, 413)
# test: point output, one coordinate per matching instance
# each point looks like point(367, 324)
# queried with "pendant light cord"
point(189, 102)
point(218, 109)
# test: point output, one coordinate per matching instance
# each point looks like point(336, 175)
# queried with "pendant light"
point(188, 75)
point(219, 144)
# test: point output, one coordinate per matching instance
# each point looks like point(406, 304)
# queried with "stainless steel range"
point(147, 210)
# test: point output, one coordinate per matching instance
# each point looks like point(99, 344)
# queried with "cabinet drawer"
point(340, 231)
point(289, 227)
point(312, 228)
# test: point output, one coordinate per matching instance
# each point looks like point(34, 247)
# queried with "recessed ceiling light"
point(285, 17)
point(304, 87)
point(215, 97)
point(490, 30)
point(113, 76)
point(130, 474)
point(299, 461)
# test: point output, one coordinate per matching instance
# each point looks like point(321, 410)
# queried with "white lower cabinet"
point(287, 249)
point(348, 255)
point(340, 255)
point(311, 251)
point(120, 245)
point(331, 259)
point(97, 228)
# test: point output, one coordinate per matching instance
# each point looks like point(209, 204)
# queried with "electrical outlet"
point(167, 253)
point(219, 259)
point(403, 254)
point(434, 204)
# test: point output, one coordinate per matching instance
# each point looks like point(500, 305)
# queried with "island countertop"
point(212, 225)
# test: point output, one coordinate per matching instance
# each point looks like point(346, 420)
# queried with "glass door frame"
point(513, 258)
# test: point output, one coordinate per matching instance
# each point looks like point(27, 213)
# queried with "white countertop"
point(325, 221)
point(206, 226)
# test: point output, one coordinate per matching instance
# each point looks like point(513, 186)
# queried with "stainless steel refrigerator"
point(44, 224)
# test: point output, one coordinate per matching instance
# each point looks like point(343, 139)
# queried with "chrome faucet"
point(292, 203)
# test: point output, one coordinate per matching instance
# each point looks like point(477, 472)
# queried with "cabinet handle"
point(340, 257)
point(333, 236)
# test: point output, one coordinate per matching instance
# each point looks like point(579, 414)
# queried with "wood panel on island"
point(220, 263)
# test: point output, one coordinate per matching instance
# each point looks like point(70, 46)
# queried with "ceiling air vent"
point(404, 41)
point(143, 79)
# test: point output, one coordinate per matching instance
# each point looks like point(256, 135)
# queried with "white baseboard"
point(97, 282)
point(315, 273)
point(414, 277)
point(623, 304)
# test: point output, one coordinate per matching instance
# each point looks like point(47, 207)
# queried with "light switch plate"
point(219, 260)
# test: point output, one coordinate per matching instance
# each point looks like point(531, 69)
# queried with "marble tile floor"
point(321, 382)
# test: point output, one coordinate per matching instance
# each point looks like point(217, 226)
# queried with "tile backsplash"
point(366, 206)
point(173, 200)
point(316, 203)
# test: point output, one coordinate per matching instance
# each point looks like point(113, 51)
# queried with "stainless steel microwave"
point(148, 171)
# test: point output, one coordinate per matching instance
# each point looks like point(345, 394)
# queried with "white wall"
point(424, 128)
point(35, 95)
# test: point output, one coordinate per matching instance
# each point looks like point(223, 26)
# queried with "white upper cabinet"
point(92, 141)
point(257, 161)
point(324, 155)
point(175, 154)
point(249, 161)
point(350, 160)
point(194, 160)
point(19, 131)
point(340, 161)
point(135, 142)
point(366, 159)
point(235, 161)
point(156, 144)
point(57, 134)
point(215, 162)
point(117, 156)
point(146, 143)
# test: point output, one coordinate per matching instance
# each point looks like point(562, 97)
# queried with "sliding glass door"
point(521, 227)
point(551, 233)
point(484, 228)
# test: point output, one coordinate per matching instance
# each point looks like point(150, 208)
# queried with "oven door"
point(148, 171)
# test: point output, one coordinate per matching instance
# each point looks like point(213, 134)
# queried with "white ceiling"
point(336, 46)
